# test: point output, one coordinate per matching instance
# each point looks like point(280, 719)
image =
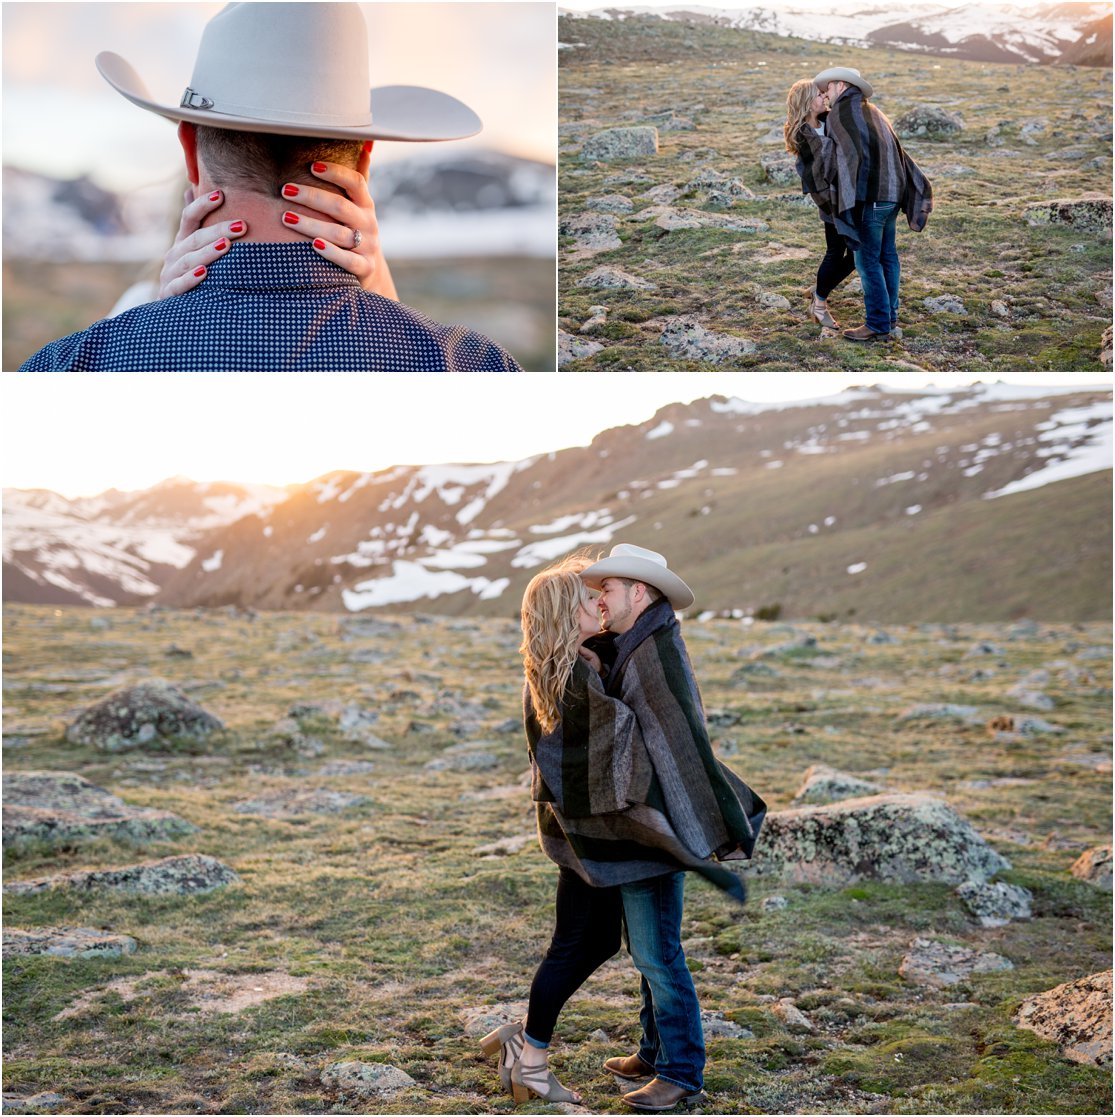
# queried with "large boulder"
point(1076, 1016)
point(620, 143)
point(153, 713)
point(62, 807)
point(1088, 213)
point(898, 838)
point(928, 122)
point(190, 874)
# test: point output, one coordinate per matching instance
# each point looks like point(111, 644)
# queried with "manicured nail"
point(367, 147)
point(221, 245)
point(199, 272)
point(318, 168)
point(236, 227)
point(290, 191)
point(319, 243)
point(215, 196)
point(290, 218)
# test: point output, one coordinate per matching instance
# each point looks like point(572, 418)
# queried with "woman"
point(194, 247)
point(806, 112)
point(558, 616)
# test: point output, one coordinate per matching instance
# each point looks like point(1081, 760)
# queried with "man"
point(874, 179)
point(276, 89)
point(711, 811)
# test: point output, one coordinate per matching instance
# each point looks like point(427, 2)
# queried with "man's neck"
point(264, 215)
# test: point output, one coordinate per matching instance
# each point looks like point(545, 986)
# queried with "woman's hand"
point(335, 239)
point(194, 248)
point(591, 658)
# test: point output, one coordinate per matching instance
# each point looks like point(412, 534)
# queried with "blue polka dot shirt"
point(273, 308)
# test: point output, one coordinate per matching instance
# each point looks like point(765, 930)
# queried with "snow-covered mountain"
point(994, 501)
point(1073, 32)
point(471, 203)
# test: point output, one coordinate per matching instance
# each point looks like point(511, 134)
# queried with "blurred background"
point(92, 185)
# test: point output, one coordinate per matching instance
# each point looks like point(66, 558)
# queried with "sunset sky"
point(278, 429)
point(62, 118)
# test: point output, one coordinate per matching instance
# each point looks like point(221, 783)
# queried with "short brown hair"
point(262, 161)
point(653, 592)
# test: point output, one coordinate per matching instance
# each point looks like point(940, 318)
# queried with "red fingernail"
point(199, 272)
point(319, 243)
point(318, 168)
point(290, 191)
point(221, 245)
point(236, 227)
point(367, 147)
point(215, 196)
point(290, 218)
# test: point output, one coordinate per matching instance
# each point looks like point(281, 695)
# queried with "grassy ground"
point(389, 926)
point(1056, 281)
point(509, 299)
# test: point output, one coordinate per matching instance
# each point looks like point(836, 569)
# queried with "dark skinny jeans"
point(838, 264)
point(586, 934)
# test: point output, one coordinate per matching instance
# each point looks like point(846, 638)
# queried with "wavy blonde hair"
point(798, 103)
point(552, 634)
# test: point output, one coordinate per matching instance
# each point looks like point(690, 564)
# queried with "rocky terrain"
point(991, 502)
point(685, 242)
point(284, 863)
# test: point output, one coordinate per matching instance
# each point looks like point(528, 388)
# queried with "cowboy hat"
point(296, 69)
point(844, 74)
point(628, 561)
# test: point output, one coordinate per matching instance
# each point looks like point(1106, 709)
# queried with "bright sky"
point(81, 434)
point(62, 118)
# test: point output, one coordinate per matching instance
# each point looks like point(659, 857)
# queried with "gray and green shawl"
point(627, 786)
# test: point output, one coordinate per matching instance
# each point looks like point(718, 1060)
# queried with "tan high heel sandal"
point(508, 1041)
point(540, 1082)
point(819, 311)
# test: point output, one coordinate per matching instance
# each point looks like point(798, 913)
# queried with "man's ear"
point(187, 137)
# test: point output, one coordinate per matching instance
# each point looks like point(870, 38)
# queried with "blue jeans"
point(672, 1040)
point(877, 264)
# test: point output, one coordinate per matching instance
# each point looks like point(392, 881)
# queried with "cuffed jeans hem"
point(535, 1042)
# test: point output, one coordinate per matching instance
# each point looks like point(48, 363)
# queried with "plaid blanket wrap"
point(871, 165)
point(627, 786)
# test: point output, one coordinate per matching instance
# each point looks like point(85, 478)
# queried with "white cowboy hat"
point(843, 73)
point(628, 561)
point(296, 69)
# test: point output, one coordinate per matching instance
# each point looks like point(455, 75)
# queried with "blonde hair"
point(552, 634)
point(799, 103)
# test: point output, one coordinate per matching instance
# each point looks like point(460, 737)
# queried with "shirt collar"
point(276, 267)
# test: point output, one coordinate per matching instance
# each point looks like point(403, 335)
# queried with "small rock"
point(572, 348)
point(1076, 1016)
point(505, 846)
point(620, 143)
point(663, 194)
point(613, 278)
point(716, 1026)
point(792, 1017)
point(591, 230)
point(928, 122)
point(187, 875)
point(13, 1103)
point(780, 168)
point(944, 304)
point(1094, 866)
point(773, 903)
point(686, 338)
point(1000, 308)
point(773, 301)
point(599, 1036)
point(470, 761)
point(940, 711)
point(995, 905)
point(599, 318)
point(822, 784)
point(611, 203)
point(1034, 699)
point(290, 804)
point(939, 964)
point(366, 1080)
point(66, 942)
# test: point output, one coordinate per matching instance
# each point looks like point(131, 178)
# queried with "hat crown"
point(629, 550)
point(289, 63)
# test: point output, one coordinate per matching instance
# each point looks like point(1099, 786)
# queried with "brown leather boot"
point(864, 333)
point(629, 1066)
point(658, 1095)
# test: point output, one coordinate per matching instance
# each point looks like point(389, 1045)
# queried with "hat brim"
point(840, 73)
point(408, 113)
point(641, 570)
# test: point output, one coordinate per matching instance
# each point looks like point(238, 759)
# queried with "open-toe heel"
point(540, 1082)
point(508, 1041)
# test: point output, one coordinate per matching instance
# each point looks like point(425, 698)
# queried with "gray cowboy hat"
point(296, 69)
point(843, 73)
point(628, 561)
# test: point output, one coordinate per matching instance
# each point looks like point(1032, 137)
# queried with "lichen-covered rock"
point(944, 304)
point(1089, 212)
point(1094, 866)
point(1076, 1016)
point(290, 804)
point(995, 905)
point(611, 203)
point(58, 807)
point(940, 711)
point(780, 168)
point(928, 122)
point(610, 278)
point(66, 942)
point(572, 348)
point(940, 965)
point(672, 218)
point(16, 1103)
point(187, 875)
point(792, 1017)
point(153, 713)
point(366, 1080)
point(822, 784)
point(591, 230)
point(620, 143)
point(463, 760)
point(716, 1025)
point(685, 337)
point(898, 838)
